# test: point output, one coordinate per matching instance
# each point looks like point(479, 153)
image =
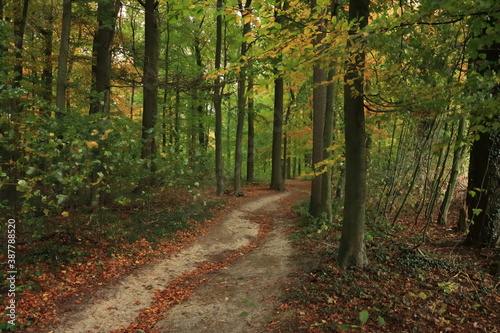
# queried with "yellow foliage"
point(92, 144)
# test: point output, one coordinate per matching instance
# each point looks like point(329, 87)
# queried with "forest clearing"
point(249, 166)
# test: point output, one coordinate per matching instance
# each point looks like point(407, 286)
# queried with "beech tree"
point(483, 196)
point(352, 244)
point(62, 61)
point(107, 12)
point(219, 162)
point(150, 81)
point(277, 181)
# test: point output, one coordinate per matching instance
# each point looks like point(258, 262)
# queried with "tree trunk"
point(251, 132)
point(455, 171)
point(62, 63)
point(276, 173)
point(100, 96)
point(165, 108)
point(277, 183)
point(219, 162)
point(326, 178)
point(319, 109)
point(483, 198)
point(200, 110)
point(238, 153)
point(47, 31)
point(352, 251)
point(484, 181)
point(150, 82)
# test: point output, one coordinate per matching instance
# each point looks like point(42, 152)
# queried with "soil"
point(239, 297)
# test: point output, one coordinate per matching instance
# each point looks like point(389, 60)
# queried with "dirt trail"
point(239, 298)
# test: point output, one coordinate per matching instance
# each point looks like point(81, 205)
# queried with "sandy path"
point(238, 298)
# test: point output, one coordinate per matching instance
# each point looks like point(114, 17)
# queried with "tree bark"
point(62, 62)
point(251, 132)
point(47, 31)
point(319, 109)
point(100, 96)
point(352, 251)
point(483, 199)
point(219, 162)
point(238, 152)
point(276, 165)
point(455, 171)
point(150, 81)
point(326, 177)
point(277, 183)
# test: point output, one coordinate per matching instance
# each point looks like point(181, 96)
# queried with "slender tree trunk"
point(276, 166)
point(277, 183)
point(200, 110)
point(251, 132)
point(62, 63)
point(219, 162)
point(352, 250)
point(417, 165)
point(166, 80)
point(176, 133)
point(238, 152)
point(455, 171)
point(319, 108)
point(326, 178)
point(150, 81)
point(47, 31)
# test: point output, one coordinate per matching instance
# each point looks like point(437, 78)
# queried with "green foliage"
point(363, 316)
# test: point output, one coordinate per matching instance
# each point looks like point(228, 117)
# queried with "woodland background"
point(389, 107)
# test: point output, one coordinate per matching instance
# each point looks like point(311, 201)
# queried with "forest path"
point(238, 295)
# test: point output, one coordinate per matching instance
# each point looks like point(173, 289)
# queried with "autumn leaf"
point(92, 144)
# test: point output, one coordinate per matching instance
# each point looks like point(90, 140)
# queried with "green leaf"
point(244, 314)
point(22, 186)
point(61, 198)
point(381, 321)
point(363, 316)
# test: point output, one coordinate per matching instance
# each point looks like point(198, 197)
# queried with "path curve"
point(236, 299)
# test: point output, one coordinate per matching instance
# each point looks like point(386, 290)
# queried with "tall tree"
point(251, 130)
point(46, 29)
point(244, 9)
point(483, 199)
point(107, 12)
point(62, 62)
point(319, 109)
point(277, 182)
point(326, 177)
point(219, 162)
point(150, 80)
point(352, 246)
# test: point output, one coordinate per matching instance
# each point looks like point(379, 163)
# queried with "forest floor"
point(257, 266)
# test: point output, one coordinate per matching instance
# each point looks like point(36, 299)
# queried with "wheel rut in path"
point(236, 299)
